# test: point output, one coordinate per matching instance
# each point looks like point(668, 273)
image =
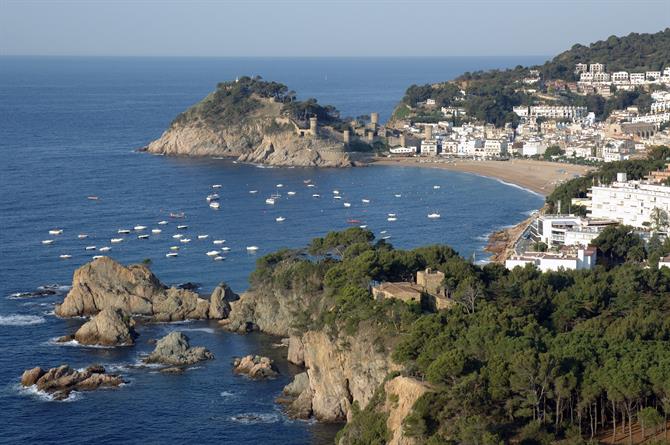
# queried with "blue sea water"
point(69, 128)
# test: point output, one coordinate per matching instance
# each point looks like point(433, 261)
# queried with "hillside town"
point(548, 128)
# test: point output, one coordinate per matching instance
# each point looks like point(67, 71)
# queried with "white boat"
point(219, 258)
point(89, 248)
point(92, 197)
point(316, 195)
point(96, 257)
point(215, 205)
point(182, 227)
point(347, 204)
point(47, 241)
point(433, 215)
point(142, 236)
point(203, 236)
point(365, 201)
point(65, 257)
point(104, 249)
point(156, 231)
point(162, 223)
point(436, 187)
point(398, 195)
point(253, 192)
point(280, 219)
point(213, 253)
point(391, 218)
point(270, 201)
point(280, 185)
point(252, 248)
point(383, 232)
point(311, 185)
point(290, 193)
point(171, 254)
point(212, 197)
point(392, 215)
point(55, 231)
point(218, 241)
point(139, 228)
point(174, 248)
point(337, 197)
point(185, 240)
point(216, 186)
point(82, 236)
point(177, 235)
point(116, 240)
point(336, 192)
point(386, 237)
point(123, 231)
point(225, 249)
point(363, 226)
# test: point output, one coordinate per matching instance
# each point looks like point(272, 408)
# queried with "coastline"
point(539, 177)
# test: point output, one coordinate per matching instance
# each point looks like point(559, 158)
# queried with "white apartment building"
point(629, 202)
point(586, 77)
point(583, 258)
point(449, 147)
point(429, 147)
point(620, 77)
point(652, 75)
point(521, 110)
point(558, 112)
point(579, 151)
point(581, 68)
point(533, 148)
point(597, 67)
point(637, 78)
point(660, 106)
point(658, 118)
point(469, 147)
point(601, 77)
point(495, 148)
point(403, 150)
point(568, 230)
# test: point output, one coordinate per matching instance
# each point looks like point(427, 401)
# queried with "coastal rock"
point(296, 351)
point(299, 384)
point(110, 327)
point(62, 380)
point(105, 283)
point(174, 350)
point(255, 366)
point(219, 301)
point(401, 394)
point(301, 407)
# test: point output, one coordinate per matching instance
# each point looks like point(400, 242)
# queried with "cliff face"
point(401, 394)
point(263, 135)
point(341, 372)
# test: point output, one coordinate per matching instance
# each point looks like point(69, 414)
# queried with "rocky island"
point(257, 121)
point(59, 382)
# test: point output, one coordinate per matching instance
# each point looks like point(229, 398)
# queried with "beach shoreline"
point(540, 177)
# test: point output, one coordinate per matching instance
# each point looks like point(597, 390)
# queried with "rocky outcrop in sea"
point(59, 382)
point(174, 350)
point(110, 327)
point(105, 283)
point(255, 367)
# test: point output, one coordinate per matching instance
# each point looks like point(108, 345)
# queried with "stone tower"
point(346, 137)
point(313, 124)
point(428, 132)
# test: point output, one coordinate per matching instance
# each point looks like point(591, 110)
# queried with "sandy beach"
point(541, 177)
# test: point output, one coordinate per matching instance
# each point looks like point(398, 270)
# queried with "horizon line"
point(410, 56)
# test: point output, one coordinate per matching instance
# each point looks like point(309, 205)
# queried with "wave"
point(21, 320)
point(227, 394)
point(32, 391)
point(74, 343)
point(255, 418)
point(208, 330)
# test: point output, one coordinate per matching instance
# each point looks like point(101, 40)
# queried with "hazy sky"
point(318, 27)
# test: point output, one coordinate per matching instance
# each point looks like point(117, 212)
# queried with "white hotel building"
point(629, 202)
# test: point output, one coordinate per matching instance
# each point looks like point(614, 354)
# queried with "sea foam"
point(20, 320)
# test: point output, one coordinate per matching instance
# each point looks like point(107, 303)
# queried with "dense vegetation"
point(605, 174)
point(523, 356)
point(490, 95)
point(233, 101)
point(634, 52)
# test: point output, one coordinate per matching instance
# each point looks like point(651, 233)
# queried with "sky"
point(318, 27)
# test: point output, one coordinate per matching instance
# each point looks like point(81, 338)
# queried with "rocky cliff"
point(244, 121)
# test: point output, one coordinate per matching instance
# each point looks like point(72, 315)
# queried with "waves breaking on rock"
point(21, 320)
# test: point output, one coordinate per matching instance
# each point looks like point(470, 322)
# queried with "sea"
point(70, 128)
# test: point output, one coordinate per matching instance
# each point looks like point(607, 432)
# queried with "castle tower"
point(346, 137)
point(428, 132)
point(374, 118)
point(313, 124)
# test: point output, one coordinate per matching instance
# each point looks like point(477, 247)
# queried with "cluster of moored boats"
point(213, 199)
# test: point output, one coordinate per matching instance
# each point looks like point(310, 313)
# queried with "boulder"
point(31, 376)
point(111, 327)
point(62, 380)
point(296, 351)
point(105, 283)
point(255, 366)
point(219, 301)
point(301, 407)
point(174, 350)
point(299, 384)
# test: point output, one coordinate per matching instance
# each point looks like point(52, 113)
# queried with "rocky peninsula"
point(252, 120)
